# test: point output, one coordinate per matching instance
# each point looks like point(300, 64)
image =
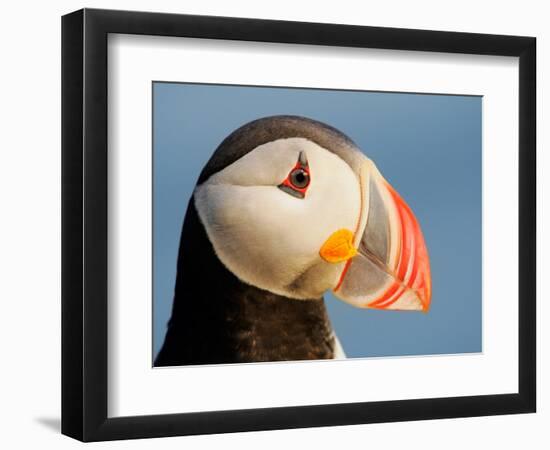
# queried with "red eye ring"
point(298, 180)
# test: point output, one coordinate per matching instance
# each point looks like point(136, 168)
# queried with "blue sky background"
point(427, 146)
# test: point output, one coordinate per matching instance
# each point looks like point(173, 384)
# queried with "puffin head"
point(292, 206)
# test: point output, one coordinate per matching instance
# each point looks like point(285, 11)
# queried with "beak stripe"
point(396, 296)
point(416, 261)
point(386, 296)
point(407, 267)
point(406, 244)
point(422, 283)
point(413, 253)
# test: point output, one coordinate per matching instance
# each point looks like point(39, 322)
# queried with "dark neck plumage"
point(218, 319)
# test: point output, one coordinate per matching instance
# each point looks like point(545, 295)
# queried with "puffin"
point(286, 209)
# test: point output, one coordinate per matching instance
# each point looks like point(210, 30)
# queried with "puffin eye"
point(299, 178)
point(297, 181)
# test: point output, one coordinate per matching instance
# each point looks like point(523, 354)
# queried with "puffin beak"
point(386, 260)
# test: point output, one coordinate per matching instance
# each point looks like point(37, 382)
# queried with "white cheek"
point(267, 237)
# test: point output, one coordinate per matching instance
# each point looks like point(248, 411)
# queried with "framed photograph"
point(273, 224)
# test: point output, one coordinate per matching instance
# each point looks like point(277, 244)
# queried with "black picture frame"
point(84, 224)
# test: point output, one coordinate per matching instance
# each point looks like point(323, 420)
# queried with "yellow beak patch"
point(338, 247)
